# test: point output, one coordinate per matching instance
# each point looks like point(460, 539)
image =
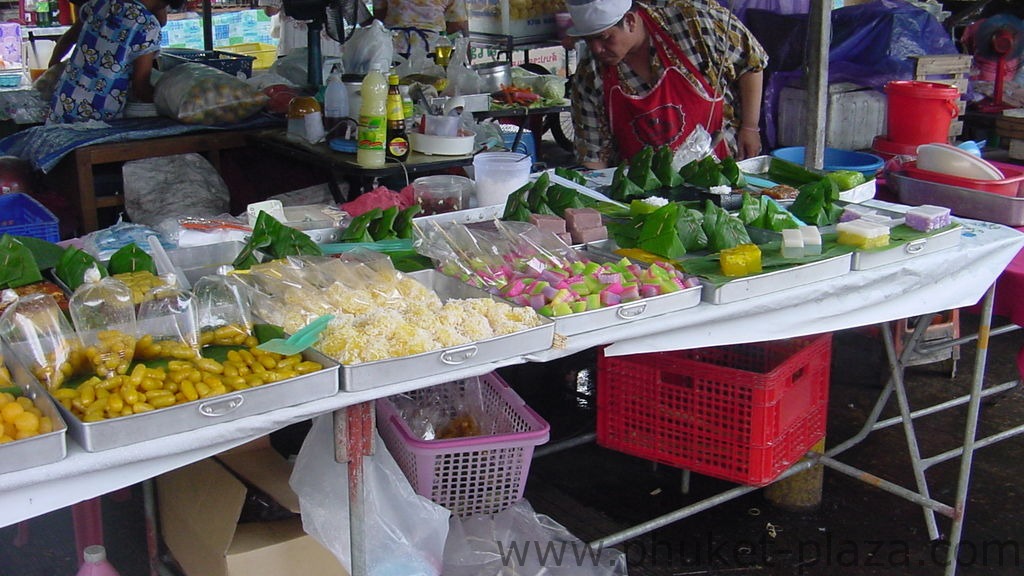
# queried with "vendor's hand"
point(748, 143)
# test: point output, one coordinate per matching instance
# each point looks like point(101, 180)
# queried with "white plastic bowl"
point(946, 159)
point(443, 145)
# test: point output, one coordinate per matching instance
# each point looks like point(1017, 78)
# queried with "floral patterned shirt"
point(97, 79)
point(710, 36)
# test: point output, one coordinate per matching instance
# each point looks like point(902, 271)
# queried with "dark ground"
point(594, 492)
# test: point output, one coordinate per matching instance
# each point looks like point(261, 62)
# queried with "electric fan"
point(1000, 39)
point(338, 17)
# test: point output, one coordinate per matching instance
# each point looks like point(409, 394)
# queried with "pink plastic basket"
point(471, 476)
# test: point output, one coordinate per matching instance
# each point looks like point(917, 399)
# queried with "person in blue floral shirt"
point(112, 59)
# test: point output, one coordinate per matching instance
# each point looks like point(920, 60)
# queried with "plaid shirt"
point(705, 32)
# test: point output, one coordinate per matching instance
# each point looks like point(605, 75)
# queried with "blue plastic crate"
point(235, 64)
point(23, 215)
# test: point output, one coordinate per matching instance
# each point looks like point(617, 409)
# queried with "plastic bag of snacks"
point(38, 333)
point(450, 410)
point(198, 94)
point(103, 312)
point(224, 310)
point(168, 324)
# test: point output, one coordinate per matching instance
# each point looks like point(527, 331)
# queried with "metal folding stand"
point(921, 495)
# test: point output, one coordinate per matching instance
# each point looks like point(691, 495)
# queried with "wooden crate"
point(949, 69)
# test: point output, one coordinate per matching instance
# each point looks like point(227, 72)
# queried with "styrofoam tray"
point(367, 375)
point(41, 449)
point(125, 430)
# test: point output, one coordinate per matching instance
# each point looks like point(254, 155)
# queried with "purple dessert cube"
point(589, 234)
point(926, 218)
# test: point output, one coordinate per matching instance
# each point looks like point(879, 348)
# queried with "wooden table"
point(73, 176)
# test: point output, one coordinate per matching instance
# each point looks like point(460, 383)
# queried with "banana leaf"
point(276, 240)
point(516, 208)
point(690, 230)
point(662, 166)
point(403, 222)
point(658, 235)
point(538, 193)
point(570, 174)
point(623, 188)
point(131, 258)
point(382, 228)
point(17, 264)
point(72, 266)
point(640, 172)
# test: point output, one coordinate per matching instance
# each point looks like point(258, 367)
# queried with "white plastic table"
point(926, 284)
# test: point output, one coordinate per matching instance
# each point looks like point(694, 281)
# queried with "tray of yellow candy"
point(33, 432)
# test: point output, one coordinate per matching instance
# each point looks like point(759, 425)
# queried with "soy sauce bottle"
point(397, 140)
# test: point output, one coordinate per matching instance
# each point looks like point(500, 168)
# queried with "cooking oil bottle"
point(373, 120)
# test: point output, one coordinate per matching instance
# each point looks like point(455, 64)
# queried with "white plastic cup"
point(441, 125)
point(499, 174)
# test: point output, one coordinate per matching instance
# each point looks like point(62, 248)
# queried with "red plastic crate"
point(742, 413)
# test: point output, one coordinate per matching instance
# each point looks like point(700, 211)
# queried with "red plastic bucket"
point(920, 112)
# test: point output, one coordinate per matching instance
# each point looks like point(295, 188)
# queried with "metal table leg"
point(353, 439)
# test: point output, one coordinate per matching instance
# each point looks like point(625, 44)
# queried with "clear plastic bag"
point(369, 47)
point(198, 94)
point(103, 312)
point(450, 410)
point(223, 306)
point(480, 545)
point(168, 324)
point(39, 335)
point(462, 78)
point(418, 62)
point(407, 532)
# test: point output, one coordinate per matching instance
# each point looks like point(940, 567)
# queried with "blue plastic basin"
point(836, 159)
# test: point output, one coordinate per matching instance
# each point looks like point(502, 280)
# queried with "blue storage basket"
point(239, 65)
point(23, 215)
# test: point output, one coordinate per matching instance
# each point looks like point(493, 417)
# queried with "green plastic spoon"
point(302, 338)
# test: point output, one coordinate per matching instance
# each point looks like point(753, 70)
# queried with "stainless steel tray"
point(874, 258)
point(367, 375)
point(961, 201)
point(761, 284)
point(41, 449)
point(117, 432)
point(591, 320)
point(758, 165)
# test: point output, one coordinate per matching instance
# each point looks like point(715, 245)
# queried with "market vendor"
point(427, 17)
point(653, 73)
point(112, 59)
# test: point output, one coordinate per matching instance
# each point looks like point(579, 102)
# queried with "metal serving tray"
point(591, 320)
point(41, 449)
point(758, 165)
point(467, 216)
point(761, 284)
point(964, 202)
point(367, 375)
point(865, 260)
point(117, 432)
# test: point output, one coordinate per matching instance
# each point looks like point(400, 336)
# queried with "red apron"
point(670, 111)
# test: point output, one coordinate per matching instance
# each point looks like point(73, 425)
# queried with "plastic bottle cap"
point(95, 554)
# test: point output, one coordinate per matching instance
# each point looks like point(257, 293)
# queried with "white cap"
point(94, 554)
point(591, 17)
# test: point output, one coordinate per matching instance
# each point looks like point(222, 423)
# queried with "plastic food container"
point(499, 174)
point(442, 193)
point(443, 145)
point(1010, 184)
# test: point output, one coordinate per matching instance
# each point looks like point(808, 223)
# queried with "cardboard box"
point(200, 506)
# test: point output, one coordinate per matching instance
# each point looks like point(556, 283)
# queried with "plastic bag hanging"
point(39, 335)
point(103, 313)
point(168, 324)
